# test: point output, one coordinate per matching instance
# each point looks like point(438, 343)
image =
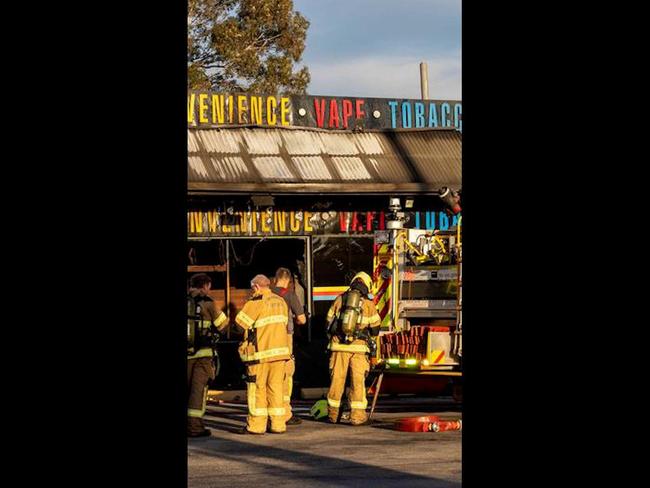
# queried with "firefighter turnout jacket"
point(369, 318)
point(264, 319)
point(210, 316)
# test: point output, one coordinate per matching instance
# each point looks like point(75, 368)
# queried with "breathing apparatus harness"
point(198, 336)
point(346, 325)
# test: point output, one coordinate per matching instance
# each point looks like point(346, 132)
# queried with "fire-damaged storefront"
point(308, 197)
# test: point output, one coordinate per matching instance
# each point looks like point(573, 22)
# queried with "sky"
point(373, 48)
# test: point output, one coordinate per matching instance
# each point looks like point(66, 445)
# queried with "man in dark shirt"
point(296, 315)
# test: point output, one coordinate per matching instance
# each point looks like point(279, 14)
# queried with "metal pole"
point(395, 285)
point(424, 81)
point(374, 399)
point(227, 295)
point(308, 278)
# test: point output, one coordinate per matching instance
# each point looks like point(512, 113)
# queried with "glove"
point(364, 334)
point(215, 333)
point(372, 346)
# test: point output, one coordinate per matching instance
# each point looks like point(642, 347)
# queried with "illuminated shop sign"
point(302, 222)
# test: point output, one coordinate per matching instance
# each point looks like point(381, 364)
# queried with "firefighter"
point(352, 322)
point(296, 315)
point(200, 364)
point(264, 351)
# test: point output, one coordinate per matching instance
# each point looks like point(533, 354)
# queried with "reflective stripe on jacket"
point(266, 316)
point(220, 322)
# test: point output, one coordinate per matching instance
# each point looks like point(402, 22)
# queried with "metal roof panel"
point(427, 158)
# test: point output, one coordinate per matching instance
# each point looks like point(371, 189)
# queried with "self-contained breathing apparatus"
point(200, 336)
point(346, 325)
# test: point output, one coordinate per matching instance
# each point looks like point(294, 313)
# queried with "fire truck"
point(417, 288)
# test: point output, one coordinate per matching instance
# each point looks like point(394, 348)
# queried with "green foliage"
point(248, 45)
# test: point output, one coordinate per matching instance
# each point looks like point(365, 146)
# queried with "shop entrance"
point(232, 263)
point(248, 257)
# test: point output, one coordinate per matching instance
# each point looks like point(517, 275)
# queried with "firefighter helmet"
point(363, 277)
point(319, 409)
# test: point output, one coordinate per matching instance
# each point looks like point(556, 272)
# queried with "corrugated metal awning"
point(255, 159)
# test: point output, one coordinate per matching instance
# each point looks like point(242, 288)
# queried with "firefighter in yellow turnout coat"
point(265, 350)
point(349, 348)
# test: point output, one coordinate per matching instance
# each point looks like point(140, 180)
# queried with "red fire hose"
point(427, 424)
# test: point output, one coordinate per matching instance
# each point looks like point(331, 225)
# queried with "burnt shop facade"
point(307, 198)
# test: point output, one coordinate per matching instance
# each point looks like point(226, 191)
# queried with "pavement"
point(321, 454)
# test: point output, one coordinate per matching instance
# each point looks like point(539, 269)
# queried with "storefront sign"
point(211, 109)
point(303, 222)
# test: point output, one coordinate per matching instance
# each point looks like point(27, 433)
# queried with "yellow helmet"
point(363, 277)
point(319, 410)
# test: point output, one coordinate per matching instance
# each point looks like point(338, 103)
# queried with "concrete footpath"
point(320, 454)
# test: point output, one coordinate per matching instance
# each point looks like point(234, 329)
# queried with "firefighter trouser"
point(199, 372)
point(357, 366)
point(289, 370)
point(265, 384)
